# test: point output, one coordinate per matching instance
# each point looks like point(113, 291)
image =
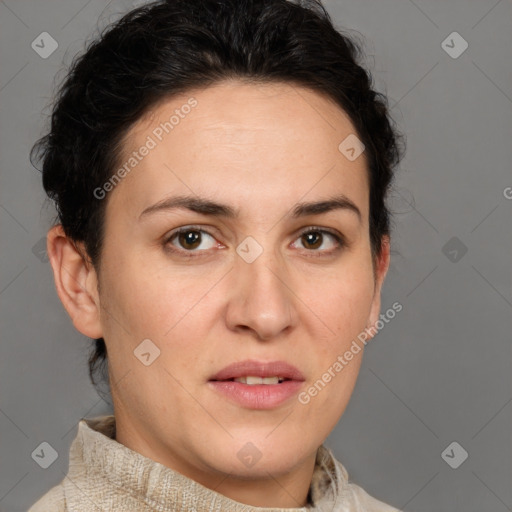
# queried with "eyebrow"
point(206, 207)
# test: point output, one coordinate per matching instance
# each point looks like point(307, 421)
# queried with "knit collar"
point(96, 451)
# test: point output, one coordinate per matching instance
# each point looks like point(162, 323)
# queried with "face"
point(255, 275)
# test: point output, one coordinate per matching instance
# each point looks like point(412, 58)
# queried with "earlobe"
point(75, 281)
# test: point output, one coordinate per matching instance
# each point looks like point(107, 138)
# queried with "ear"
point(76, 282)
point(381, 269)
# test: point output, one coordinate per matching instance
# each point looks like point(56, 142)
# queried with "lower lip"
point(257, 396)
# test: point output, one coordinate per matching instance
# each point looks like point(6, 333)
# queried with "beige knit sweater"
point(105, 475)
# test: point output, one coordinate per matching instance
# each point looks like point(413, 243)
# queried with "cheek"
point(144, 304)
point(344, 308)
point(149, 297)
point(344, 301)
point(171, 308)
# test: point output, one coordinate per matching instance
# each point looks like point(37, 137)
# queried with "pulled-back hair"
point(169, 47)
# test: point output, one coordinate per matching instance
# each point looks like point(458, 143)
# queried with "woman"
point(220, 170)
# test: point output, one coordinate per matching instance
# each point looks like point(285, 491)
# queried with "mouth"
point(255, 372)
point(252, 380)
point(256, 385)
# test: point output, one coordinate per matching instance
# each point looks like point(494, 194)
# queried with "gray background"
point(437, 373)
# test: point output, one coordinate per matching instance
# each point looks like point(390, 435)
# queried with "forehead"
point(245, 144)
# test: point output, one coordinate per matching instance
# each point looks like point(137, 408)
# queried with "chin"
point(258, 455)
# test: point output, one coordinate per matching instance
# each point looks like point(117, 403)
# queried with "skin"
point(261, 149)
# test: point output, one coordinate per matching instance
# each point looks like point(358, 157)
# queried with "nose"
point(262, 299)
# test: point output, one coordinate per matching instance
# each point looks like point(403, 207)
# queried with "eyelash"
point(340, 240)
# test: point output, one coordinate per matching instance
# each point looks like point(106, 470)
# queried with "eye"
point(190, 238)
point(315, 239)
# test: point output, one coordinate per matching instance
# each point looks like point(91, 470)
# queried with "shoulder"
point(53, 501)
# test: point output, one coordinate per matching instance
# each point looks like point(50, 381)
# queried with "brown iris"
point(313, 239)
point(190, 239)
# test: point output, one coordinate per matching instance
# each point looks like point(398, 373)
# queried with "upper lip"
point(259, 369)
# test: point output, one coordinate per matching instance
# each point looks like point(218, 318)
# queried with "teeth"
point(250, 380)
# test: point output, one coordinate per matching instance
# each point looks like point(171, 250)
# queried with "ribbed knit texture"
point(105, 475)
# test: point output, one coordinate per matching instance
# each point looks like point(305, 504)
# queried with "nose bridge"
point(262, 300)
